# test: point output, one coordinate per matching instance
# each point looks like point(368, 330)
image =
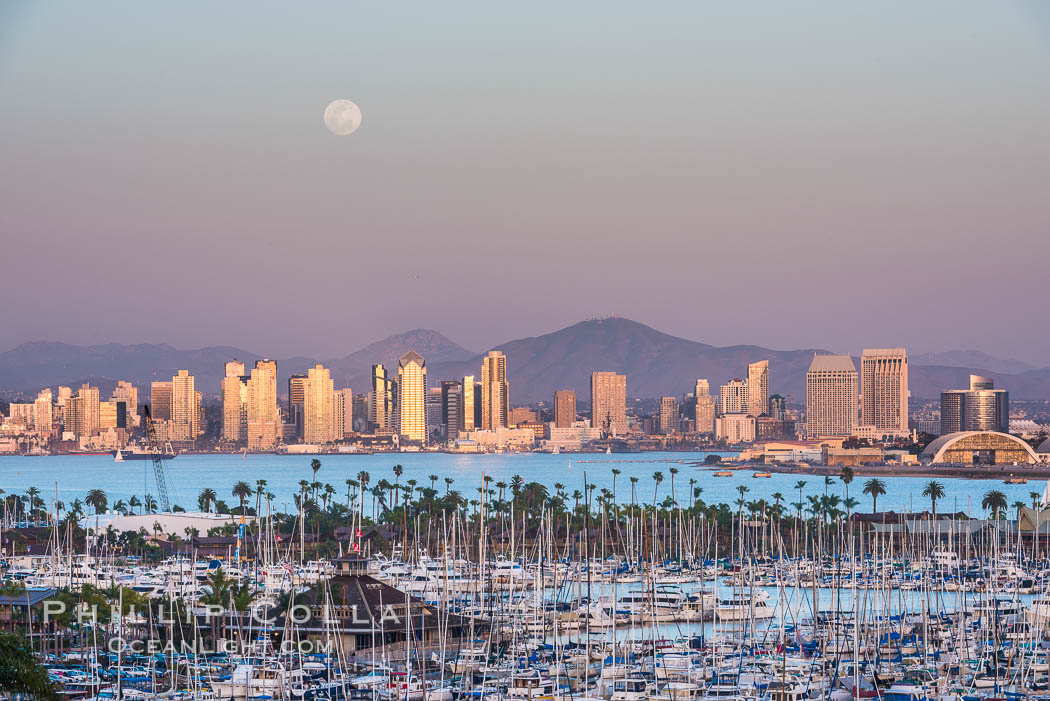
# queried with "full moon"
point(342, 117)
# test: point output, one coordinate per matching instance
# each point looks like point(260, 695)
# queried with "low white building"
point(735, 428)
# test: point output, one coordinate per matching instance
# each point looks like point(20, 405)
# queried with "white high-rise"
point(185, 422)
point(318, 406)
point(263, 424)
point(495, 397)
point(831, 396)
point(758, 388)
point(234, 402)
point(412, 397)
point(884, 389)
point(733, 397)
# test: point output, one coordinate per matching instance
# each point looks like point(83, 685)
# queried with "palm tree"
point(1035, 497)
point(846, 476)
point(777, 498)
point(933, 490)
point(874, 488)
point(995, 502)
point(96, 499)
point(674, 497)
point(21, 673)
point(242, 490)
point(133, 502)
point(448, 484)
point(260, 488)
point(433, 479)
point(615, 474)
point(658, 477)
point(206, 499)
point(149, 503)
point(800, 485)
point(634, 481)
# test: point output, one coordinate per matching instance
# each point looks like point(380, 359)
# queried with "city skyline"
point(855, 163)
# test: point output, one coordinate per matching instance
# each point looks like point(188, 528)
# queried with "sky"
point(804, 174)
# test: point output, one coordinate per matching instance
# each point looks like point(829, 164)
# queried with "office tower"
point(452, 407)
point(318, 406)
point(609, 403)
point(705, 414)
point(733, 397)
point(127, 393)
point(296, 393)
point(564, 408)
point(160, 401)
point(777, 408)
point(980, 408)
point(520, 415)
point(435, 409)
point(381, 400)
point(884, 389)
point(43, 412)
point(22, 413)
point(87, 419)
point(234, 402)
point(64, 393)
point(107, 415)
point(495, 392)
point(263, 424)
point(185, 423)
point(344, 413)
point(412, 397)
point(758, 388)
point(72, 416)
point(471, 403)
point(668, 415)
point(831, 396)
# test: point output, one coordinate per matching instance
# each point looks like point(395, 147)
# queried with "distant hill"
point(656, 364)
point(971, 359)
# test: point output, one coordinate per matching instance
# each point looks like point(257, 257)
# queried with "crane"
point(158, 464)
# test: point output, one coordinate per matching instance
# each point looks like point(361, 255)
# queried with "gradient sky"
point(787, 174)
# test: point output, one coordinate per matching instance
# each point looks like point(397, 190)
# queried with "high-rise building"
point(234, 402)
point(160, 401)
point(495, 392)
point(668, 415)
point(435, 409)
point(733, 397)
point(609, 403)
point(980, 408)
point(452, 407)
point(470, 404)
point(127, 393)
point(884, 389)
point(263, 425)
point(758, 388)
point(344, 413)
point(107, 415)
point(86, 418)
point(318, 406)
point(564, 408)
point(412, 397)
point(185, 422)
point(777, 408)
point(381, 400)
point(43, 412)
point(831, 396)
point(296, 395)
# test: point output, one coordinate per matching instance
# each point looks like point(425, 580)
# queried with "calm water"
point(76, 475)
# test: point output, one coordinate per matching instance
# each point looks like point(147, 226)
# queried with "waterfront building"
point(412, 397)
point(609, 402)
point(344, 413)
point(564, 408)
point(758, 388)
point(43, 412)
point(831, 396)
point(263, 415)
point(884, 390)
point(296, 397)
point(436, 428)
point(668, 415)
point(735, 428)
point(22, 413)
point(85, 413)
point(318, 406)
point(129, 394)
point(980, 408)
point(733, 397)
point(704, 420)
point(185, 419)
point(381, 400)
point(495, 391)
point(107, 415)
point(160, 401)
point(979, 448)
point(470, 407)
point(521, 414)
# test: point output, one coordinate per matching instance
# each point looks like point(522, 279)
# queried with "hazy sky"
point(789, 174)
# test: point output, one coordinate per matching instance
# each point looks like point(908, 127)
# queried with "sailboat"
point(119, 457)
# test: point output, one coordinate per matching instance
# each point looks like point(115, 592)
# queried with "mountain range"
point(655, 363)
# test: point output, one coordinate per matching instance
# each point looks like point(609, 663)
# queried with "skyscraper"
point(495, 394)
point(469, 407)
point(609, 403)
point(87, 410)
point(884, 389)
point(160, 401)
point(733, 397)
point(234, 402)
point(127, 393)
point(564, 408)
point(758, 388)
point(185, 421)
point(668, 415)
point(705, 407)
point(344, 413)
point(980, 408)
point(264, 418)
point(296, 396)
point(381, 400)
point(831, 396)
point(43, 412)
point(452, 407)
point(318, 406)
point(412, 397)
